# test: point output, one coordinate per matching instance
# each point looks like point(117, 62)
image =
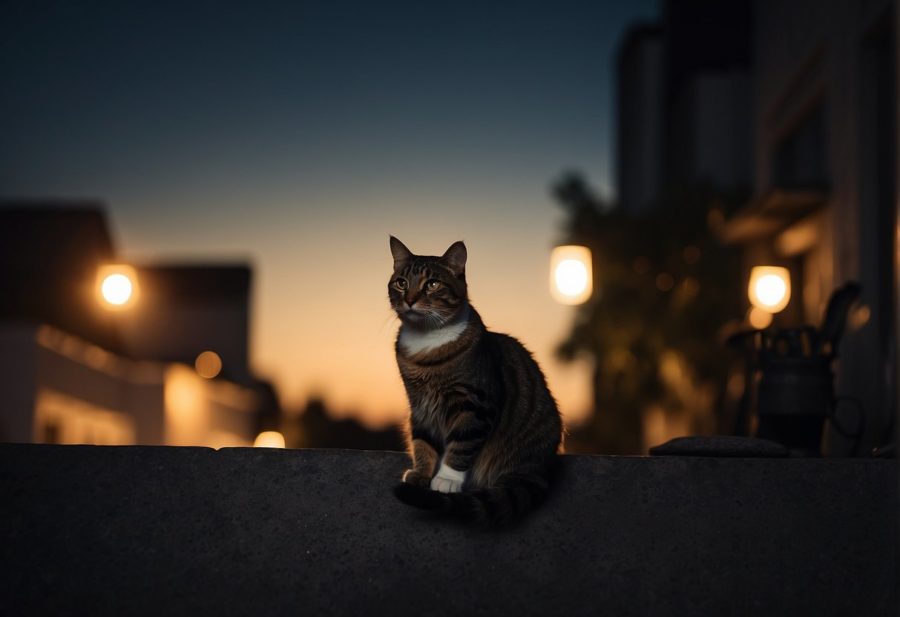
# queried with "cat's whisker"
point(436, 320)
point(442, 321)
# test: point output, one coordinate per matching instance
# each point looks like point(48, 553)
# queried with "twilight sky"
point(298, 135)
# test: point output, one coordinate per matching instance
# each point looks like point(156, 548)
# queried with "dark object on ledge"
point(885, 451)
point(721, 445)
point(795, 393)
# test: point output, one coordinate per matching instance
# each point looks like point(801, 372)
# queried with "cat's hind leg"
point(424, 459)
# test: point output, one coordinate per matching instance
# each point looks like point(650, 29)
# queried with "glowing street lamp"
point(770, 288)
point(117, 286)
point(571, 278)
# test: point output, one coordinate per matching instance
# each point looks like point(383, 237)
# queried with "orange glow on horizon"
point(340, 345)
point(315, 338)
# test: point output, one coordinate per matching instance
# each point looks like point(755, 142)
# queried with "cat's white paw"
point(448, 480)
point(445, 485)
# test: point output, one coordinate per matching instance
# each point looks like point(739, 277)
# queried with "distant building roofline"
point(198, 282)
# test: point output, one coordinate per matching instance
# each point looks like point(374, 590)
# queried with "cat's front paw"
point(448, 480)
point(411, 476)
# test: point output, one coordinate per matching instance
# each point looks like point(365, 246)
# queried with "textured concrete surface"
point(186, 531)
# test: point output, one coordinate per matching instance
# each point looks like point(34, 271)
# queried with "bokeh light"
point(759, 318)
point(770, 288)
point(117, 286)
point(571, 277)
point(570, 274)
point(269, 439)
point(208, 364)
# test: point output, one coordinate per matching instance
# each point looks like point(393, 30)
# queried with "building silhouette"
point(639, 90)
point(683, 92)
point(825, 121)
point(794, 104)
point(169, 369)
point(187, 309)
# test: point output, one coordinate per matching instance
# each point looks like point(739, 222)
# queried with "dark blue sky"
point(98, 93)
point(297, 133)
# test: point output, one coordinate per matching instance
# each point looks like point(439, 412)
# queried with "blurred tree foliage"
point(663, 289)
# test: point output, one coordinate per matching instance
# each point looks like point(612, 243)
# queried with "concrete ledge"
point(144, 530)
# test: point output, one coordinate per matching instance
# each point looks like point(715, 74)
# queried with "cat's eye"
point(400, 284)
point(433, 285)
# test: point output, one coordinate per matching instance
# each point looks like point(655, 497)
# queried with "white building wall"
point(61, 389)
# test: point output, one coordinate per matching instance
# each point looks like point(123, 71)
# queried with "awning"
point(767, 215)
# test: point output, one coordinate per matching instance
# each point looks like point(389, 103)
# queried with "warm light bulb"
point(571, 277)
point(116, 289)
point(117, 286)
point(570, 274)
point(269, 439)
point(770, 288)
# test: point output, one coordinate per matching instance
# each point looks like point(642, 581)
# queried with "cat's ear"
point(455, 258)
point(400, 252)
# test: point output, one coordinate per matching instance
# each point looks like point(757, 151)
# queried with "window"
point(800, 158)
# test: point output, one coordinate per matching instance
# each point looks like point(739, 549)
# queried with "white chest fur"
point(414, 342)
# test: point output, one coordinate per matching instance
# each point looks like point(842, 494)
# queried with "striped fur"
point(479, 402)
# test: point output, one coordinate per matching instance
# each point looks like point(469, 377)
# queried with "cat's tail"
point(514, 496)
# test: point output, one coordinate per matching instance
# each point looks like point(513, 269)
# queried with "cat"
point(484, 431)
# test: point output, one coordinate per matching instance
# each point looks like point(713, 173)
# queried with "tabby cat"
point(484, 430)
